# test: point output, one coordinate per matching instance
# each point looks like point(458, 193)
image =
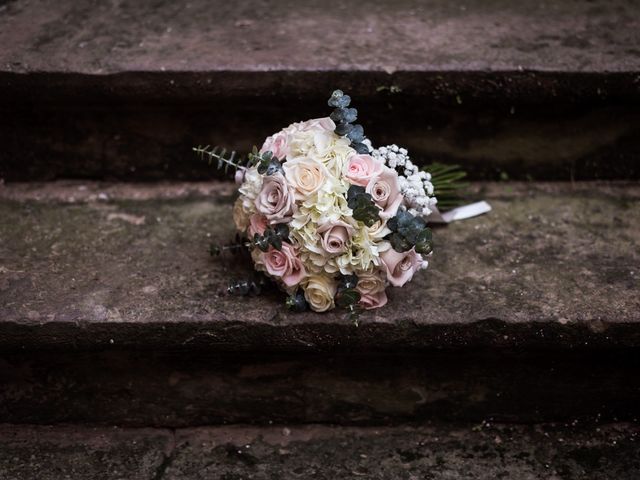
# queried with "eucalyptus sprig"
point(407, 232)
point(238, 246)
point(266, 162)
point(272, 237)
point(296, 302)
point(348, 297)
point(344, 118)
point(219, 155)
point(363, 206)
point(248, 286)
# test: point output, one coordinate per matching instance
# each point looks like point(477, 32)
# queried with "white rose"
point(319, 292)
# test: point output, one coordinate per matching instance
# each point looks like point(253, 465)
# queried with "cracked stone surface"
point(117, 266)
point(437, 452)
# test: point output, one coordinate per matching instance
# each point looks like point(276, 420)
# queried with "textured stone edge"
point(428, 86)
point(471, 451)
point(276, 331)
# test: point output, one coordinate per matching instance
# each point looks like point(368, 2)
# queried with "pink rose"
point(284, 264)
point(385, 191)
point(274, 200)
point(257, 224)
point(361, 168)
point(324, 123)
point(371, 288)
point(369, 301)
point(335, 236)
point(239, 176)
point(400, 266)
point(276, 144)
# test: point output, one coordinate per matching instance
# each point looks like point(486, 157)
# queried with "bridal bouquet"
point(331, 219)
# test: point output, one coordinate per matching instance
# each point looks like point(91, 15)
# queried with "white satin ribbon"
point(459, 213)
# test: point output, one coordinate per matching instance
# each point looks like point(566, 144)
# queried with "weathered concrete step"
point(438, 452)
point(112, 312)
point(544, 90)
point(118, 266)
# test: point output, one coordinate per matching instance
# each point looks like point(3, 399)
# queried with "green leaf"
point(447, 184)
point(399, 243)
point(261, 242)
point(424, 242)
point(349, 281)
point(364, 208)
point(347, 297)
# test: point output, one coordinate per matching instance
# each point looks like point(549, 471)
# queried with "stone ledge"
point(405, 35)
point(545, 90)
point(479, 452)
point(554, 265)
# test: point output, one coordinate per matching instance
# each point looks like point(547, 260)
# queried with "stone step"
point(112, 312)
point(437, 452)
point(544, 90)
point(116, 265)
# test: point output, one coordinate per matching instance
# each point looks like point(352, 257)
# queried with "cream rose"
point(370, 283)
point(240, 217)
point(362, 168)
point(371, 288)
point(305, 175)
point(276, 144)
point(319, 292)
point(284, 264)
point(335, 236)
point(275, 201)
point(385, 191)
point(400, 266)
